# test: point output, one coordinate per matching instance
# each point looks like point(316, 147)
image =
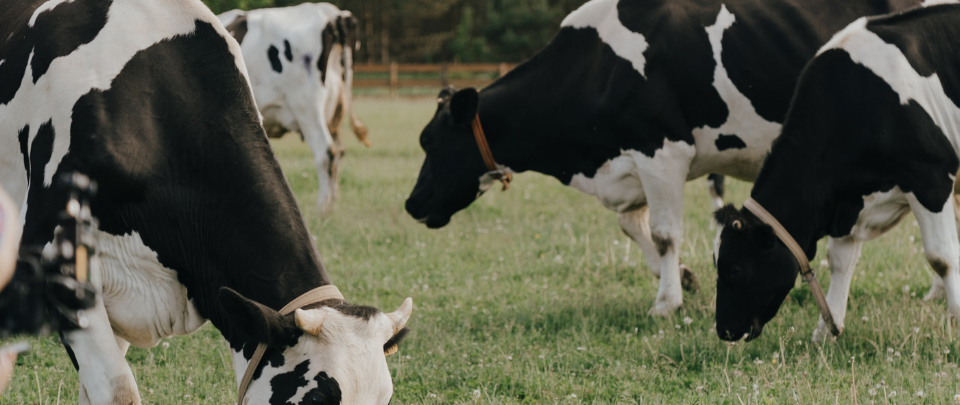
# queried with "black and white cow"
point(300, 61)
point(873, 134)
point(197, 222)
point(630, 100)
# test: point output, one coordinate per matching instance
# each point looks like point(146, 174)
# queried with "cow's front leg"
point(937, 287)
point(105, 376)
point(663, 177)
point(843, 255)
point(636, 224)
point(941, 247)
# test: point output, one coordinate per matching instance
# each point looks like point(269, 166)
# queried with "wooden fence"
point(397, 75)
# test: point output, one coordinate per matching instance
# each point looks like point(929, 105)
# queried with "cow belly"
point(616, 184)
point(144, 300)
point(881, 212)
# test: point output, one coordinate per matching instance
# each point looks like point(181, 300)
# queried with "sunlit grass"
point(535, 296)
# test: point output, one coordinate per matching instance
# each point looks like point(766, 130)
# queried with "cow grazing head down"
point(453, 174)
point(755, 271)
point(328, 353)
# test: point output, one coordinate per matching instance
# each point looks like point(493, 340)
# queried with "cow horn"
point(737, 225)
point(309, 321)
point(401, 315)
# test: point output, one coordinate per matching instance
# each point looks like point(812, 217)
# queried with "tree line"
point(438, 31)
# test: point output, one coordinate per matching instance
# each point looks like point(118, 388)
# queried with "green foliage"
point(534, 296)
point(432, 31)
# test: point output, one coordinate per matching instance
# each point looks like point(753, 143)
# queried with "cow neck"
point(788, 188)
point(528, 130)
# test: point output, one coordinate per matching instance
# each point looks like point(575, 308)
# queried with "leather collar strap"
point(491, 164)
point(805, 271)
point(319, 294)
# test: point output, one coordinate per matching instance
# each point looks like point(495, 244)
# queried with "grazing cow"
point(300, 61)
point(630, 100)
point(197, 222)
point(873, 134)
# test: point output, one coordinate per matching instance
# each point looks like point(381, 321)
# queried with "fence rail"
point(397, 75)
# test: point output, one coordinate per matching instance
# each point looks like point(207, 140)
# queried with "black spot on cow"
point(24, 136)
point(328, 38)
point(238, 28)
point(274, 55)
point(57, 32)
point(41, 150)
point(663, 243)
point(939, 266)
point(801, 26)
point(326, 393)
point(725, 142)
point(907, 32)
point(284, 386)
point(287, 52)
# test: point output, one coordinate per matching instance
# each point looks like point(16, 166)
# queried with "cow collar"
point(488, 160)
point(806, 272)
point(319, 294)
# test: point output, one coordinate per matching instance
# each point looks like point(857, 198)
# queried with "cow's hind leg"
point(663, 177)
point(843, 255)
point(937, 287)
point(636, 224)
point(105, 376)
point(941, 247)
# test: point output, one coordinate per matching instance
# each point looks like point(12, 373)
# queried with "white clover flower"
point(906, 288)
point(872, 392)
point(946, 351)
point(476, 393)
point(920, 394)
point(432, 395)
point(687, 320)
point(889, 350)
point(573, 395)
point(892, 394)
point(865, 319)
point(509, 357)
point(166, 345)
point(540, 356)
point(676, 326)
point(757, 361)
point(581, 348)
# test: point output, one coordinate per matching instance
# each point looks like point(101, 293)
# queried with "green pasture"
point(534, 296)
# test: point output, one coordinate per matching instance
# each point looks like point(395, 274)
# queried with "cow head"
point(755, 271)
point(453, 173)
point(328, 354)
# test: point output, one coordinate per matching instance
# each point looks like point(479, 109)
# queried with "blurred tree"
point(433, 31)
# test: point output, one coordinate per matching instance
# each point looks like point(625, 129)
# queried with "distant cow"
point(873, 134)
point(300, 61)
point(629, 101)
point(197, 223)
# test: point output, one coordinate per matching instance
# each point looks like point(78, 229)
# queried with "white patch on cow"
point(890, 64)
point(349, 350)
point(145, 300)
point(742, 121)
point(929, 3)
point(603, 16)
point(132, 26)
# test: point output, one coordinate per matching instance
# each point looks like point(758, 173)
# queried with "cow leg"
point(663, 177)
point(843, 255)
point(937, 287)
point(715, 187)
point(941, 247)
point(105, 376)
point(636, 224)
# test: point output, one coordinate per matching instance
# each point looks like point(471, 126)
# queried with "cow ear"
point(463, 106)
point(393, 345)
point(257, 322)
point(762, 236)
point(726, 215)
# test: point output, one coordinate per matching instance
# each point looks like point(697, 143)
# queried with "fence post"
point(503, 69)
point(444, 75)
point(394, 78)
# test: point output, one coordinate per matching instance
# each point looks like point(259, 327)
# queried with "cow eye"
point(317, 398)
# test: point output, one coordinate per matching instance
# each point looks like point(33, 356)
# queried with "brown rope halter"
point(491, 164)
point(319, 294)
point(805, 271)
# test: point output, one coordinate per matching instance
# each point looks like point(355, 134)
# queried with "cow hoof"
point(367, 143)
point(663, 309)
point(936, 292)
point(688, 280)
point(822, 333)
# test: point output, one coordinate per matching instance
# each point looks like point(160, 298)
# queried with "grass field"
point(534, 296)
